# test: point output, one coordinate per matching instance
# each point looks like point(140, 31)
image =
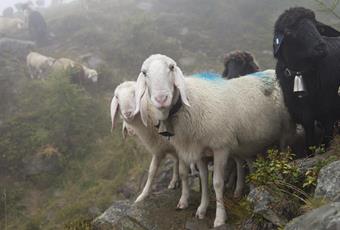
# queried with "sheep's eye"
point(288, 32)
point(144, 73)
point(171, 67)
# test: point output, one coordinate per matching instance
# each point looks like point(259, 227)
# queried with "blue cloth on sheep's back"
point(209, 76)
point(266, 77)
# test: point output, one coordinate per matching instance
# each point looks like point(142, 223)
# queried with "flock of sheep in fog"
point(207, 117)
point(194, 118)
point(39, 66)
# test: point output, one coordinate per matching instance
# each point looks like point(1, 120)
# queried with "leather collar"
point(168, 132)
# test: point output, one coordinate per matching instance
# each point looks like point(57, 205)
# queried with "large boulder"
point(326, 217)
point(157, 212)
point(328, 184)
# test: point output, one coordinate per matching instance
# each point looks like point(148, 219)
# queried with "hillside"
point(67, 126)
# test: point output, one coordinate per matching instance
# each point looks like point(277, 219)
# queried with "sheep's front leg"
point(183, 173)
point(193, 170)
point(240, 178)
point(203, 171)
point(220, 160)
point(174, 179)
point(156, 159)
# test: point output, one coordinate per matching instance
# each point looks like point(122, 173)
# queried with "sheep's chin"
point(128, 119)
point(160, 114)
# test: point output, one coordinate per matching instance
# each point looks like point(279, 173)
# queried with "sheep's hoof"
point(140, 198)
point(182, 205)
point(221, 217)
point(200, 213)
point(218, 223)
point(173, 185)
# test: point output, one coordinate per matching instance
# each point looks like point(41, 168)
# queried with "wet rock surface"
point(328, 184)
point(157, 212)
point(326, 217)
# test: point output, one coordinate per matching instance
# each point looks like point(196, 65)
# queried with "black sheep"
point(239, 63)
point(308, 70)
point(37, 27)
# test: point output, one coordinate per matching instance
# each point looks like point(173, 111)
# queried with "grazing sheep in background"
point(239, 63)
point(82, 74)
point(124, 100)
point(216, 115)
point(38, 65)
point(10, 25)
point(308, 54)
point(90, 74)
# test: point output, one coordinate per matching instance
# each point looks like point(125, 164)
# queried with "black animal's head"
point(239, 63)
point(298, 37)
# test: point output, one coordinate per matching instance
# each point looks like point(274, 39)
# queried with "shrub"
point(277, 167)
point(51, 113)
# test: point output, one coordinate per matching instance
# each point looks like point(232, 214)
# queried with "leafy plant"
point(276, 167)
point(79, 224)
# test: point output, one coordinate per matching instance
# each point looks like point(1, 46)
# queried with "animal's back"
point(235, 113)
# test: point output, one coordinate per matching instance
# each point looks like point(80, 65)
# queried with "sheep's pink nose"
point(128, 114)
point(161, 99)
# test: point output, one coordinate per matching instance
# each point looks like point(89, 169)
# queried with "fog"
point(6, 3)
point(60, 162)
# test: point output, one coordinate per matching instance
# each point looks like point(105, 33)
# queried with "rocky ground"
point(158, 211)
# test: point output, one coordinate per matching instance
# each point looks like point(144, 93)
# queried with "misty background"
point(59, 161)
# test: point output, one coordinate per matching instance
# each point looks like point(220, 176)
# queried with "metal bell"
point(299, 86)
point(165, 128)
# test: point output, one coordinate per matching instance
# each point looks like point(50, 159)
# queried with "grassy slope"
point(124, 35)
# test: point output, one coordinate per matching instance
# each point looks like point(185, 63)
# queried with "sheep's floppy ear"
point(113, 108)
point(143, 110)
point(326, 30)
point(124, 131)
point(180, 83)
point(277, 41)
point(140, 90)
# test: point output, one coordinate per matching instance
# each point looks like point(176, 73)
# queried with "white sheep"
point(38, 65)
point(65, 63)
point(239, 117)
point(124, 101)
point(90, 74)
point(10, 25)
